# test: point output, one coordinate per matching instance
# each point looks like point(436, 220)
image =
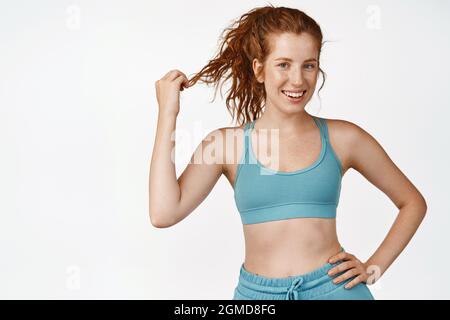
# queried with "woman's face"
point(292, 65)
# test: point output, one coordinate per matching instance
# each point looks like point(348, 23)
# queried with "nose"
point(297, 77)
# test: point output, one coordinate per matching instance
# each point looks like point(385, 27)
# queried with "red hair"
point(245, 39)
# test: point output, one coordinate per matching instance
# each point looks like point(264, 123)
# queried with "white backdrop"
point(78, 122)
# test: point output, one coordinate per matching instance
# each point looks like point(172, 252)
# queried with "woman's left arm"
point(368, 157)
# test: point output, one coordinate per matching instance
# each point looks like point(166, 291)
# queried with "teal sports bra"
point(263, 194)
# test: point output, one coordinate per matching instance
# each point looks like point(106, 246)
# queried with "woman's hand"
point(168, 91)
point(354, 266)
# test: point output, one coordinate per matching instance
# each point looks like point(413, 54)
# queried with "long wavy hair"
point(245, 39)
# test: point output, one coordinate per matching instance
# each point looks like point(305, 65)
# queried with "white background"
point(78, 122)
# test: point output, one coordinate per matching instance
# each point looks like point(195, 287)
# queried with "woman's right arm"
point(172, 199)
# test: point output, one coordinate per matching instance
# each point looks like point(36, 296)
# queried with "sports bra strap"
point(324, 128)
point(246, 142)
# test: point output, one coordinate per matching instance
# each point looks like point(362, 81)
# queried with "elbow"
point(416, 202)
point(157, 220)
point(425, 208)
point(422, 204)
point(157, 223)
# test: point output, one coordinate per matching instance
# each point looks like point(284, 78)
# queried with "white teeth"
point(294, 95)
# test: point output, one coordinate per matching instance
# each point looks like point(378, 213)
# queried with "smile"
point(294, 96)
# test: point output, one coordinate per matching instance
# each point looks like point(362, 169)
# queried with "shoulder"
point(352, 138)
point(346, 131)
point(223, 134)
point(237, 129)
point(345, 138)
point(224, 142)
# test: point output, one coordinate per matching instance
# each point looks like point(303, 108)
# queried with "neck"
point(285, 123)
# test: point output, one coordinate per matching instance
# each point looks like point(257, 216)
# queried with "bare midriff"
point(289, 247)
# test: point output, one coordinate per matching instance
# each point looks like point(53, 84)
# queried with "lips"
point(296, 92)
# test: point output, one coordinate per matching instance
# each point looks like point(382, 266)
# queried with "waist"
point(282, 260)
point(306, 285)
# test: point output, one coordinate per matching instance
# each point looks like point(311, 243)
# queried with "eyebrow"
point(289, 59)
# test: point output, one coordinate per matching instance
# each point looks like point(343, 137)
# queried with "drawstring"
point(292, 293)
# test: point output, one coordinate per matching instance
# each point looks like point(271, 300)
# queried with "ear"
point(256, 65)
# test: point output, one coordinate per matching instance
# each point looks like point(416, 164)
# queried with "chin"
point(293, 109)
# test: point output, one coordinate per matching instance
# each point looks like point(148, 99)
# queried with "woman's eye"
point(308, 66)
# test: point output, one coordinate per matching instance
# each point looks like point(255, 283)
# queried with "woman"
point(287, 202)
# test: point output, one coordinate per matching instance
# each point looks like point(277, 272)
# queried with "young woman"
point(287, 202)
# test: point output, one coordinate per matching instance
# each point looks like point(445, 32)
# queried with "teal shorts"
point(314, 285)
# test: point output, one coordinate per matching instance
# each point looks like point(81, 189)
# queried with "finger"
point(340, 256)
point(168, 74)
point(350, 273)
point(179, 74)
point(336, 257)
point(354, 282)
point(173, 74)
point(341, 267)
point(183, 82)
